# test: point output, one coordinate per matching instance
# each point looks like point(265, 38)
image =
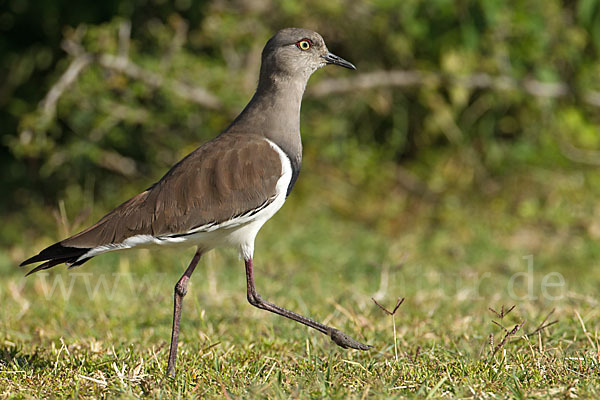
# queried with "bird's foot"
point(345, 341)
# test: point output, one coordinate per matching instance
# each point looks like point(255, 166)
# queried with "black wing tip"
point(39, 268)
point(54, 255)
point(26, 262)
point(71, 262)
point(31, 260)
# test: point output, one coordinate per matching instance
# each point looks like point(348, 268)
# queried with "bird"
point(222, 193)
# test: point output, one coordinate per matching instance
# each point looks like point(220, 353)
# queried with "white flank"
point(238, 232)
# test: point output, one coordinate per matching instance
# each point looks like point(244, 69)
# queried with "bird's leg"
point(339, 337)
point(180, 292)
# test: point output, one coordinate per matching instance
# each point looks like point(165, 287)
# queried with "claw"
point(345, 341)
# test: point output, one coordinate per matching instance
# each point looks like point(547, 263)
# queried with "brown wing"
point(225, 177)
point(228, 176)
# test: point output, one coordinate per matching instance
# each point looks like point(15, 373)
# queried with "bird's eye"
point(304, 44)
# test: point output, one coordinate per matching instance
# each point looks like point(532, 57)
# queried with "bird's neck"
point(274, 112)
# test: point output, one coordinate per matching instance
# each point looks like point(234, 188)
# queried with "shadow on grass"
point(12, 358)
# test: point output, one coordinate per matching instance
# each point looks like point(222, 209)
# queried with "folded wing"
point(231, 175)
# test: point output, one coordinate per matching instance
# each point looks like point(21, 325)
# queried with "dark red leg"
point(339, 337)
point(180, 292)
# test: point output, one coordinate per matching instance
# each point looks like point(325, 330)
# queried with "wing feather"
point(228, 176)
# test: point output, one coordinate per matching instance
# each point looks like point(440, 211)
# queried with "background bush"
point(445, 133)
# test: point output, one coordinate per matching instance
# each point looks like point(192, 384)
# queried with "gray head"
point(296, 52)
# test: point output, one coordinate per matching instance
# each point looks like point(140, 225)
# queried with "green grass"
point(452, 260)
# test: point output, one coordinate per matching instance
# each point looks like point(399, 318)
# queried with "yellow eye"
point(304, 44)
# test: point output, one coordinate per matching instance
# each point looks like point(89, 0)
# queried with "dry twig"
point(127, 67)
point(503, 313)
point(508, 334)
point(543, 325)
point(407, 78)
point(392, 313)
point(48, 104)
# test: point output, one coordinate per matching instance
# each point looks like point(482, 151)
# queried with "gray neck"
point(274, 112)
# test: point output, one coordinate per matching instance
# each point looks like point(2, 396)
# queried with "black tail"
point(56, 254)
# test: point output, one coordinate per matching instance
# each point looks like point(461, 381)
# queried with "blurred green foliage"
point(110, 129)
point(440, 188)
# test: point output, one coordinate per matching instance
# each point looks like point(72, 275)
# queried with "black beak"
point(333, 59)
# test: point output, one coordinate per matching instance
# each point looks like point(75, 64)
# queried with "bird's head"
point(298, 53)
